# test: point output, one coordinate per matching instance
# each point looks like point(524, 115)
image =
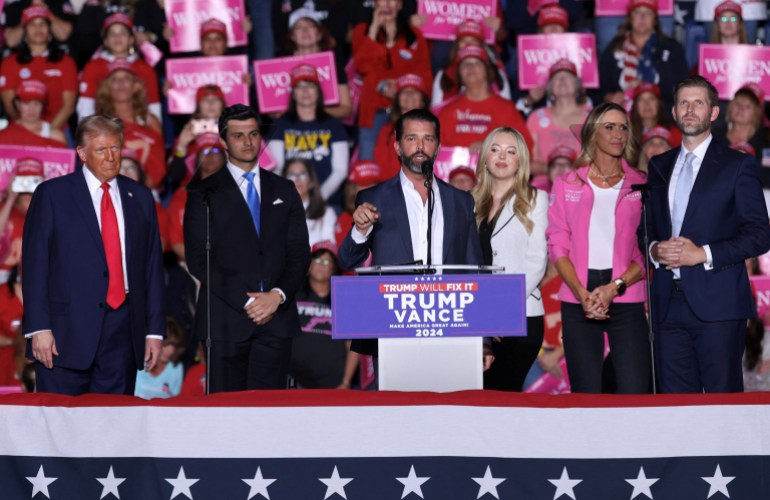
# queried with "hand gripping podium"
point(429, 326)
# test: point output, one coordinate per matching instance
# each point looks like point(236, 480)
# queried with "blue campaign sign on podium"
point(417, 306)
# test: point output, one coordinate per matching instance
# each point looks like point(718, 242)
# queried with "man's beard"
point(409, 163)
point(696, 129)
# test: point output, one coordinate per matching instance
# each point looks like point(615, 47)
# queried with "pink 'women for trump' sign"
point(537, 53)
point(443, 16)
point(273, 79)
point(730, 67)
point(56, 161)
point(620, 8)
point(761, 287)
point(187, 74)
point(449, 158)
point(184, 17)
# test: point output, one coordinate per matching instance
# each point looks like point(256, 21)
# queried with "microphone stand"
point(207, 202)
point(427, 172)
point(643, 190)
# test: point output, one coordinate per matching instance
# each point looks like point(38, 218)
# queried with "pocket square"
point(277, 201)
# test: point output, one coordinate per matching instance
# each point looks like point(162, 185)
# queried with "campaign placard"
point(56, 161)
point(188, 73)
point(185, 17)
point(730, 67)
point(273, 79)
point(761, 286)
point(460, 305)
point(449, 158)
point(620, 8)
point(537, 53)
point(443, 16)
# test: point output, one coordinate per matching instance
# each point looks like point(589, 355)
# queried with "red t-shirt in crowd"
point(149, 147)
point(175, 217)
point(17, 134)
point(59, 77)
point(10, 320)
point(552, 305)
point(385, 153)
point(464, 122)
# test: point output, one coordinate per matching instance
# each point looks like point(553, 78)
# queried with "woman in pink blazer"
point(593, 216)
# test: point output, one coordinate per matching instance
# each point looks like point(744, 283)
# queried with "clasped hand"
point(596, 304)
point(678, 252)
point(263, 307)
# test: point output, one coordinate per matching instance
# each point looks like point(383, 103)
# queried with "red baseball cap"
point(658, 131)
point(31, 90)
point(744, 147)
point(471, 51)
point(364, 173)
point(129, 154)
point(753, 89)
point(728, 6)
point(213, 26)
point(462, 170)
point(117, 18)
point(635, 4)
point(562, 65)
point(325, 245)
point(119, 64)
point(553, 14)
point(34, 12)
point(207, 90)
point(646, 87)
point(304, 73)
point(470, 28)
point(562, 152)
point(30, 167)
point(410, 80)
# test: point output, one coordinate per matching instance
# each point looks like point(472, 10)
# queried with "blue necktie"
point(252, 198)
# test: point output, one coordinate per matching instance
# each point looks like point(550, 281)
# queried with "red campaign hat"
point(658, 131)
point(119, 64)
point(728, 6)
point(365, 173)
point(31, 90)
point(744, 147)
point(753, 89)
point(129, 154)
point(462, 171)
point(562, 152)
point(562, 65)
point(31, 167)
point(117, 18)
point(206, 140)
point(553, 14)
point(471, 51)
point(304, 73)
point(34, 12)
point(207, 90)
point(325, 245)
point(470, 28)
point(635, 4)
point(646, 87)
point(410, 80)
point(213, 26)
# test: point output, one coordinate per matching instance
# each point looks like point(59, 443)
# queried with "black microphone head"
point(427, 168)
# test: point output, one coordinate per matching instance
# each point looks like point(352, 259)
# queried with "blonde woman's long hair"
point(524, 193)
point(105, 105)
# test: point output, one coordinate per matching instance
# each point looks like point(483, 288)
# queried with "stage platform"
point(312, 444)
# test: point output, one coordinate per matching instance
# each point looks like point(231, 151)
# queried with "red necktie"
point(116, 292)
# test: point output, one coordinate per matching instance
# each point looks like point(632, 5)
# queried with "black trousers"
point(583, 341)
point(514, 357)
point(261, 362)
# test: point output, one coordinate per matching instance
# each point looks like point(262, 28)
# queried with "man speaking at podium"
point(391, 218)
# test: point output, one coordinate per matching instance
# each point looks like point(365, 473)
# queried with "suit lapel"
point(130, 219)
point(448, 207)
point(266, 199)
point(84, 202)
point(231, 196)
point(400, 214)
point(709, 169)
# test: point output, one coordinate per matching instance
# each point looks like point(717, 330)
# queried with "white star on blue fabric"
point(412, 483)
point(335, 484)
point(717, 483)
point(110, 484)
point(642, 484)
point(488, 484)
point(40, 483)
point(565, 485)
point(181, 485)
point(258, 485)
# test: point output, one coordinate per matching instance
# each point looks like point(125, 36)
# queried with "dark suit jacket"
point(65, 274)
point(391, 242)
point(242, 261)
point(727, 211)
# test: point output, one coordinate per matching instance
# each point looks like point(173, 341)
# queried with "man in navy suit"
point(259, 260)
point(706, 216)
point(93, 273)
point(390, 219)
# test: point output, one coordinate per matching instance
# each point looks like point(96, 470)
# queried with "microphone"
point(427, 169)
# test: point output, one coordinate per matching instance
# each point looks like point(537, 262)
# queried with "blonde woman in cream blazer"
point(512, 217)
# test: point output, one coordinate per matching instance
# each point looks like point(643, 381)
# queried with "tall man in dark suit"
point(707, 215)
point(93, 273)
point(259, 259)
point(391, 218)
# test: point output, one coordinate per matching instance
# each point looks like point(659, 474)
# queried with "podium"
point(430, 363)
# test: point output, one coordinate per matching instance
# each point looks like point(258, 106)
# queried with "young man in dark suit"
point(259, 259)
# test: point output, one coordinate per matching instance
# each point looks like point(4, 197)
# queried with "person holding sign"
point(593, 217)
point(641, 53)
point(512, 217)
point(706, 215)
